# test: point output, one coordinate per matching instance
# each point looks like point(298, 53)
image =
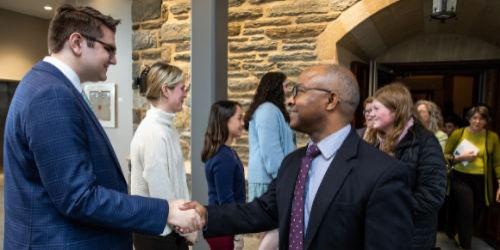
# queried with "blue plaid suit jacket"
point(64, 188)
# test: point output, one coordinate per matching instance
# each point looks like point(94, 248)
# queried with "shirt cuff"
point(166, 230)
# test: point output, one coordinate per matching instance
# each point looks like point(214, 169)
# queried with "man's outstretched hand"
point(201, 211)
point(186, 218)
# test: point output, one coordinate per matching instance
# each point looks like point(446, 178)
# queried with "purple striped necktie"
point(296, 237)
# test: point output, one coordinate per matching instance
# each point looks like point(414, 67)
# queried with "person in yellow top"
point(476, 171)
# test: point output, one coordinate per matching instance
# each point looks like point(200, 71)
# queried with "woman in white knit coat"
point(155, 152)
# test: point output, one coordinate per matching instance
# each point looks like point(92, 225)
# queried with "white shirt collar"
point(67, 71)
point(330, 144)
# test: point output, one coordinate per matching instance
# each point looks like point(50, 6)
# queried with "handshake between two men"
point(187, 218)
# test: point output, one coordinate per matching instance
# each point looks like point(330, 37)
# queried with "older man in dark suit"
point(336, 193)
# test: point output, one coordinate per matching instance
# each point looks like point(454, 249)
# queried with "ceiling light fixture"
point(47, 7)
point(444, 9)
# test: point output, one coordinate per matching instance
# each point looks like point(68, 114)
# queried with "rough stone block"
point(180, 8)
point(174, 32)
point(152, 25)
point(257, 66)
point(145, 10)
point(233, 66)
point(318, 18)
point(293, 69)
point(182, 17)
point(185, 46)
point(151, 54)
point(234, 3)
point(241, 85)
point(299, 46)
point(297, 56)
point(182, 57)
point(256, 38)
point(259, 46)
point(267, 22)
point(295, 31)
point(238, 74)
point(233, 29)
point(237, 39)
point(240, 56)
point(304, 40)
point(136, 67)
point(299, 8)
point(166, 53)
point(263, 1)
point(251, 32)
point(341, 5)
point(135, 55)
point(143, 40)
point(238, 15)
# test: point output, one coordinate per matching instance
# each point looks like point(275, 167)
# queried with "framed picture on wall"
point(102, 101)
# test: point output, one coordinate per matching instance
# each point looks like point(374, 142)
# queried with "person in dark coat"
point(397, 133)
point(338, 192)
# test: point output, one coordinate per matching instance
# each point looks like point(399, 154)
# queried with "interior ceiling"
point(408, 18)
point(31, 7)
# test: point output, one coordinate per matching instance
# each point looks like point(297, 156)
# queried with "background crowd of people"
point(379, 187)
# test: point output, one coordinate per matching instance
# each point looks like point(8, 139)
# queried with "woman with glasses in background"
point(474, 152)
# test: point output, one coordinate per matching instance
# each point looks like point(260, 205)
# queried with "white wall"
point(120, 74)
point(23, 42)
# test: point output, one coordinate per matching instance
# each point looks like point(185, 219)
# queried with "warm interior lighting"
point(47, 7)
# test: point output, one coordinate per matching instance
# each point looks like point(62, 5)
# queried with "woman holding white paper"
point(474, 152)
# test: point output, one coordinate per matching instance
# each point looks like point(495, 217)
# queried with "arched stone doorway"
point(455, 64)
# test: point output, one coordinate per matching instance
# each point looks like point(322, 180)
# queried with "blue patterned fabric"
point(64, 188)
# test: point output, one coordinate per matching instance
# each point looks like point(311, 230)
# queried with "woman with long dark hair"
point(223, 168)
point(270, 139)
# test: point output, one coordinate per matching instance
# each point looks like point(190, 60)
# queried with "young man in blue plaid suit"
point(64, 188)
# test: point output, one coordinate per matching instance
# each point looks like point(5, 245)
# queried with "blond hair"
point(435, 118)
point(158, 75)
point(397, 98)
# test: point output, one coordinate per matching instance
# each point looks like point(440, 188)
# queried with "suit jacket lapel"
point(334, 177)
point(79, 98)
point(285, 195)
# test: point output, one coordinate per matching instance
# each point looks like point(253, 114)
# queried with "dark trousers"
point(468, 203)
point(172, 241)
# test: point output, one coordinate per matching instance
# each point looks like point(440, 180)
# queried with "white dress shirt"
point(328, 147)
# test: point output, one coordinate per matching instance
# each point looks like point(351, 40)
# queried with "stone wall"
point(263, 35)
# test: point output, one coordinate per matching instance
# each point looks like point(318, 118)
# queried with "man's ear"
point(333, 101)
point(75, 43)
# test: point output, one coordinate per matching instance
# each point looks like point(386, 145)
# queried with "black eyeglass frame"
point(296, 88)
point(111, 49)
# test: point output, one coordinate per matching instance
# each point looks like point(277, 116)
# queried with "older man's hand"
point(187, 219)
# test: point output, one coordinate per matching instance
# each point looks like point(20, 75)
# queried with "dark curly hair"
point(270, 89)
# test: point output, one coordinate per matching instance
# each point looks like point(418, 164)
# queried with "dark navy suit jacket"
point(64, 188)
point(363, 202)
